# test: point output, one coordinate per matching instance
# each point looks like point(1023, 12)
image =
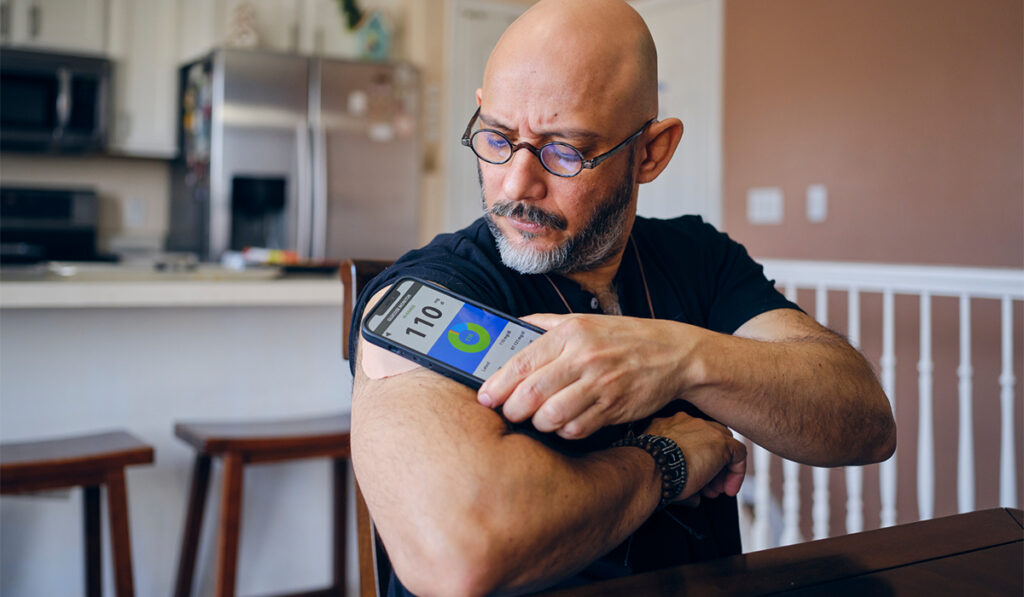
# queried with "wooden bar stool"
point(89, 461)
point(243, 443)
point(374, 568)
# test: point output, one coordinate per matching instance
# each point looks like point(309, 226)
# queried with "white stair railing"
point(887, 470)
point(925, 425)
point(854, 474)
point(821, 506)
point(791, 481)
point(925, 282)
point(1007, 464)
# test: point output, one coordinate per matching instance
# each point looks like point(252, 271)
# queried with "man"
point(539, 479)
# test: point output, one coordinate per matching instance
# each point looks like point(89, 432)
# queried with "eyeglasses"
point(560, 159)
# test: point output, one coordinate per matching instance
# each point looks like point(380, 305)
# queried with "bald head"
point(564, 56)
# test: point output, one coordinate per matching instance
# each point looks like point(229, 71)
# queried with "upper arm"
point(373, 361)
point(396, 389)
point(782, 324)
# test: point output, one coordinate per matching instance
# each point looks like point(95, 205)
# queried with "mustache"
point(528, 213)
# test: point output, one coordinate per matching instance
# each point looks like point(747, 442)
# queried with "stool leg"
point(229, 532)
point(367, 546)
point(340, 470)
point(120, 541)
point(193, 525)
point(93, 536)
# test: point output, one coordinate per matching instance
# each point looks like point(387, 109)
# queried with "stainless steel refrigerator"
point(319, 156)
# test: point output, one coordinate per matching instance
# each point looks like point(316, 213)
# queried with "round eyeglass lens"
point(561, 159)
point(491, 147)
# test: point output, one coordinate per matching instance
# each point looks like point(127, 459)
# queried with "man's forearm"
point(464, 507)
point(812, 399)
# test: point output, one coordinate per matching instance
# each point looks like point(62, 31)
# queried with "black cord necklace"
point(643, 278)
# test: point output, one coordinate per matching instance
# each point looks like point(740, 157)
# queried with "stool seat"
point(240, 443)
point(325, 436)
point(90, 461)
point(67, 462)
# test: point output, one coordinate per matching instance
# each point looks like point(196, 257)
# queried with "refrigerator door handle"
point(319, 219)
point(304, 208)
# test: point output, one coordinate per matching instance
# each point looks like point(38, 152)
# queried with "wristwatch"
point(667, 456)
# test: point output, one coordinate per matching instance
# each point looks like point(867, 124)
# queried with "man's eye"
point(563, 152)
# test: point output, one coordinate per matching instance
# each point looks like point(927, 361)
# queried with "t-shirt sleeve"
point(739, 290)
point(459, 273)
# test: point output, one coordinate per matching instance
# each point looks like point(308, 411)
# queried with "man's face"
point(545, 223)
point(598, 239)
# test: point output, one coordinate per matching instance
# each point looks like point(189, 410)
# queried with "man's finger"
point(562, 406)
point(496, 390)
point(535, 390)
point(593, 418)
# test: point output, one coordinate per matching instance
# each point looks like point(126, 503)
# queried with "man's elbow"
point(880, 440)
point(887, 446)
point(443, 565)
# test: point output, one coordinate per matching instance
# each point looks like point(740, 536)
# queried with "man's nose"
point(524, 177)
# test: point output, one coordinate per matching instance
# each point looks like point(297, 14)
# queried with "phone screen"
point(431, 322)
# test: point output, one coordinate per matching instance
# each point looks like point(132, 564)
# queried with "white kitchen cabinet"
point(308, 27)
point(199, 25)
point(59, 25)
point(257, 24)
point(324, 31)
point(143, 43)
point(274, 23)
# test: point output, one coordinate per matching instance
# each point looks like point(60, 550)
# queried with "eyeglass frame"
point(467, 140)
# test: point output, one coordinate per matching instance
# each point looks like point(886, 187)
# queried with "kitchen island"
point(138, 353)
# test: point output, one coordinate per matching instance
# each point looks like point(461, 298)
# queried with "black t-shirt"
point(695, 275)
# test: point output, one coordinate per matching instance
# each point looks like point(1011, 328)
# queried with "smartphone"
point(447, 333)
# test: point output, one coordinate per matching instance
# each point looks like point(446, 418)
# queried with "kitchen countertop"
point(125, 286)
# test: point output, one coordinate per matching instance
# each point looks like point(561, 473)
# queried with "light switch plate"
point(817, 203)
point(764, 205)
point(134, 212)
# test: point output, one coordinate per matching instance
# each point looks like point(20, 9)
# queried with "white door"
point(476, 27)
point(688, 35)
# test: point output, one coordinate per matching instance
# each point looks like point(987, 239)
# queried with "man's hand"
point(590, 371)
point(715, 462)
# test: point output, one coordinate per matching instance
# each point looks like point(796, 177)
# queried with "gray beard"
point(594, 246)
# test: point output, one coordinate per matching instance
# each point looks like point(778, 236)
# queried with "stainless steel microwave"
point(55, 103)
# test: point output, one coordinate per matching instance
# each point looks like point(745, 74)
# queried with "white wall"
point(133, 193)
point(68, 371)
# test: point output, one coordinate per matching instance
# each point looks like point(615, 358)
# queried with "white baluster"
point(762, 499)
point(821, 305)
point(965, 450)
point(887, 470)
point(854, 474)
point(925, 442)
point(790, 503)
point(791, 481)
point(821, 510)
point(791, 292)
point(1007, 464)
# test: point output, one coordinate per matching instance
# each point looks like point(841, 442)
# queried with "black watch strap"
point(667, 456)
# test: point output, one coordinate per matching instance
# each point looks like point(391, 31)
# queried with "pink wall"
point(911, 112)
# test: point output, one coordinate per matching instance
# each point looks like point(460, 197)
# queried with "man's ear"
point(663, 138)
point(479, 96)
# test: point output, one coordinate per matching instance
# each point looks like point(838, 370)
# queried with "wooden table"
point(974, 554)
